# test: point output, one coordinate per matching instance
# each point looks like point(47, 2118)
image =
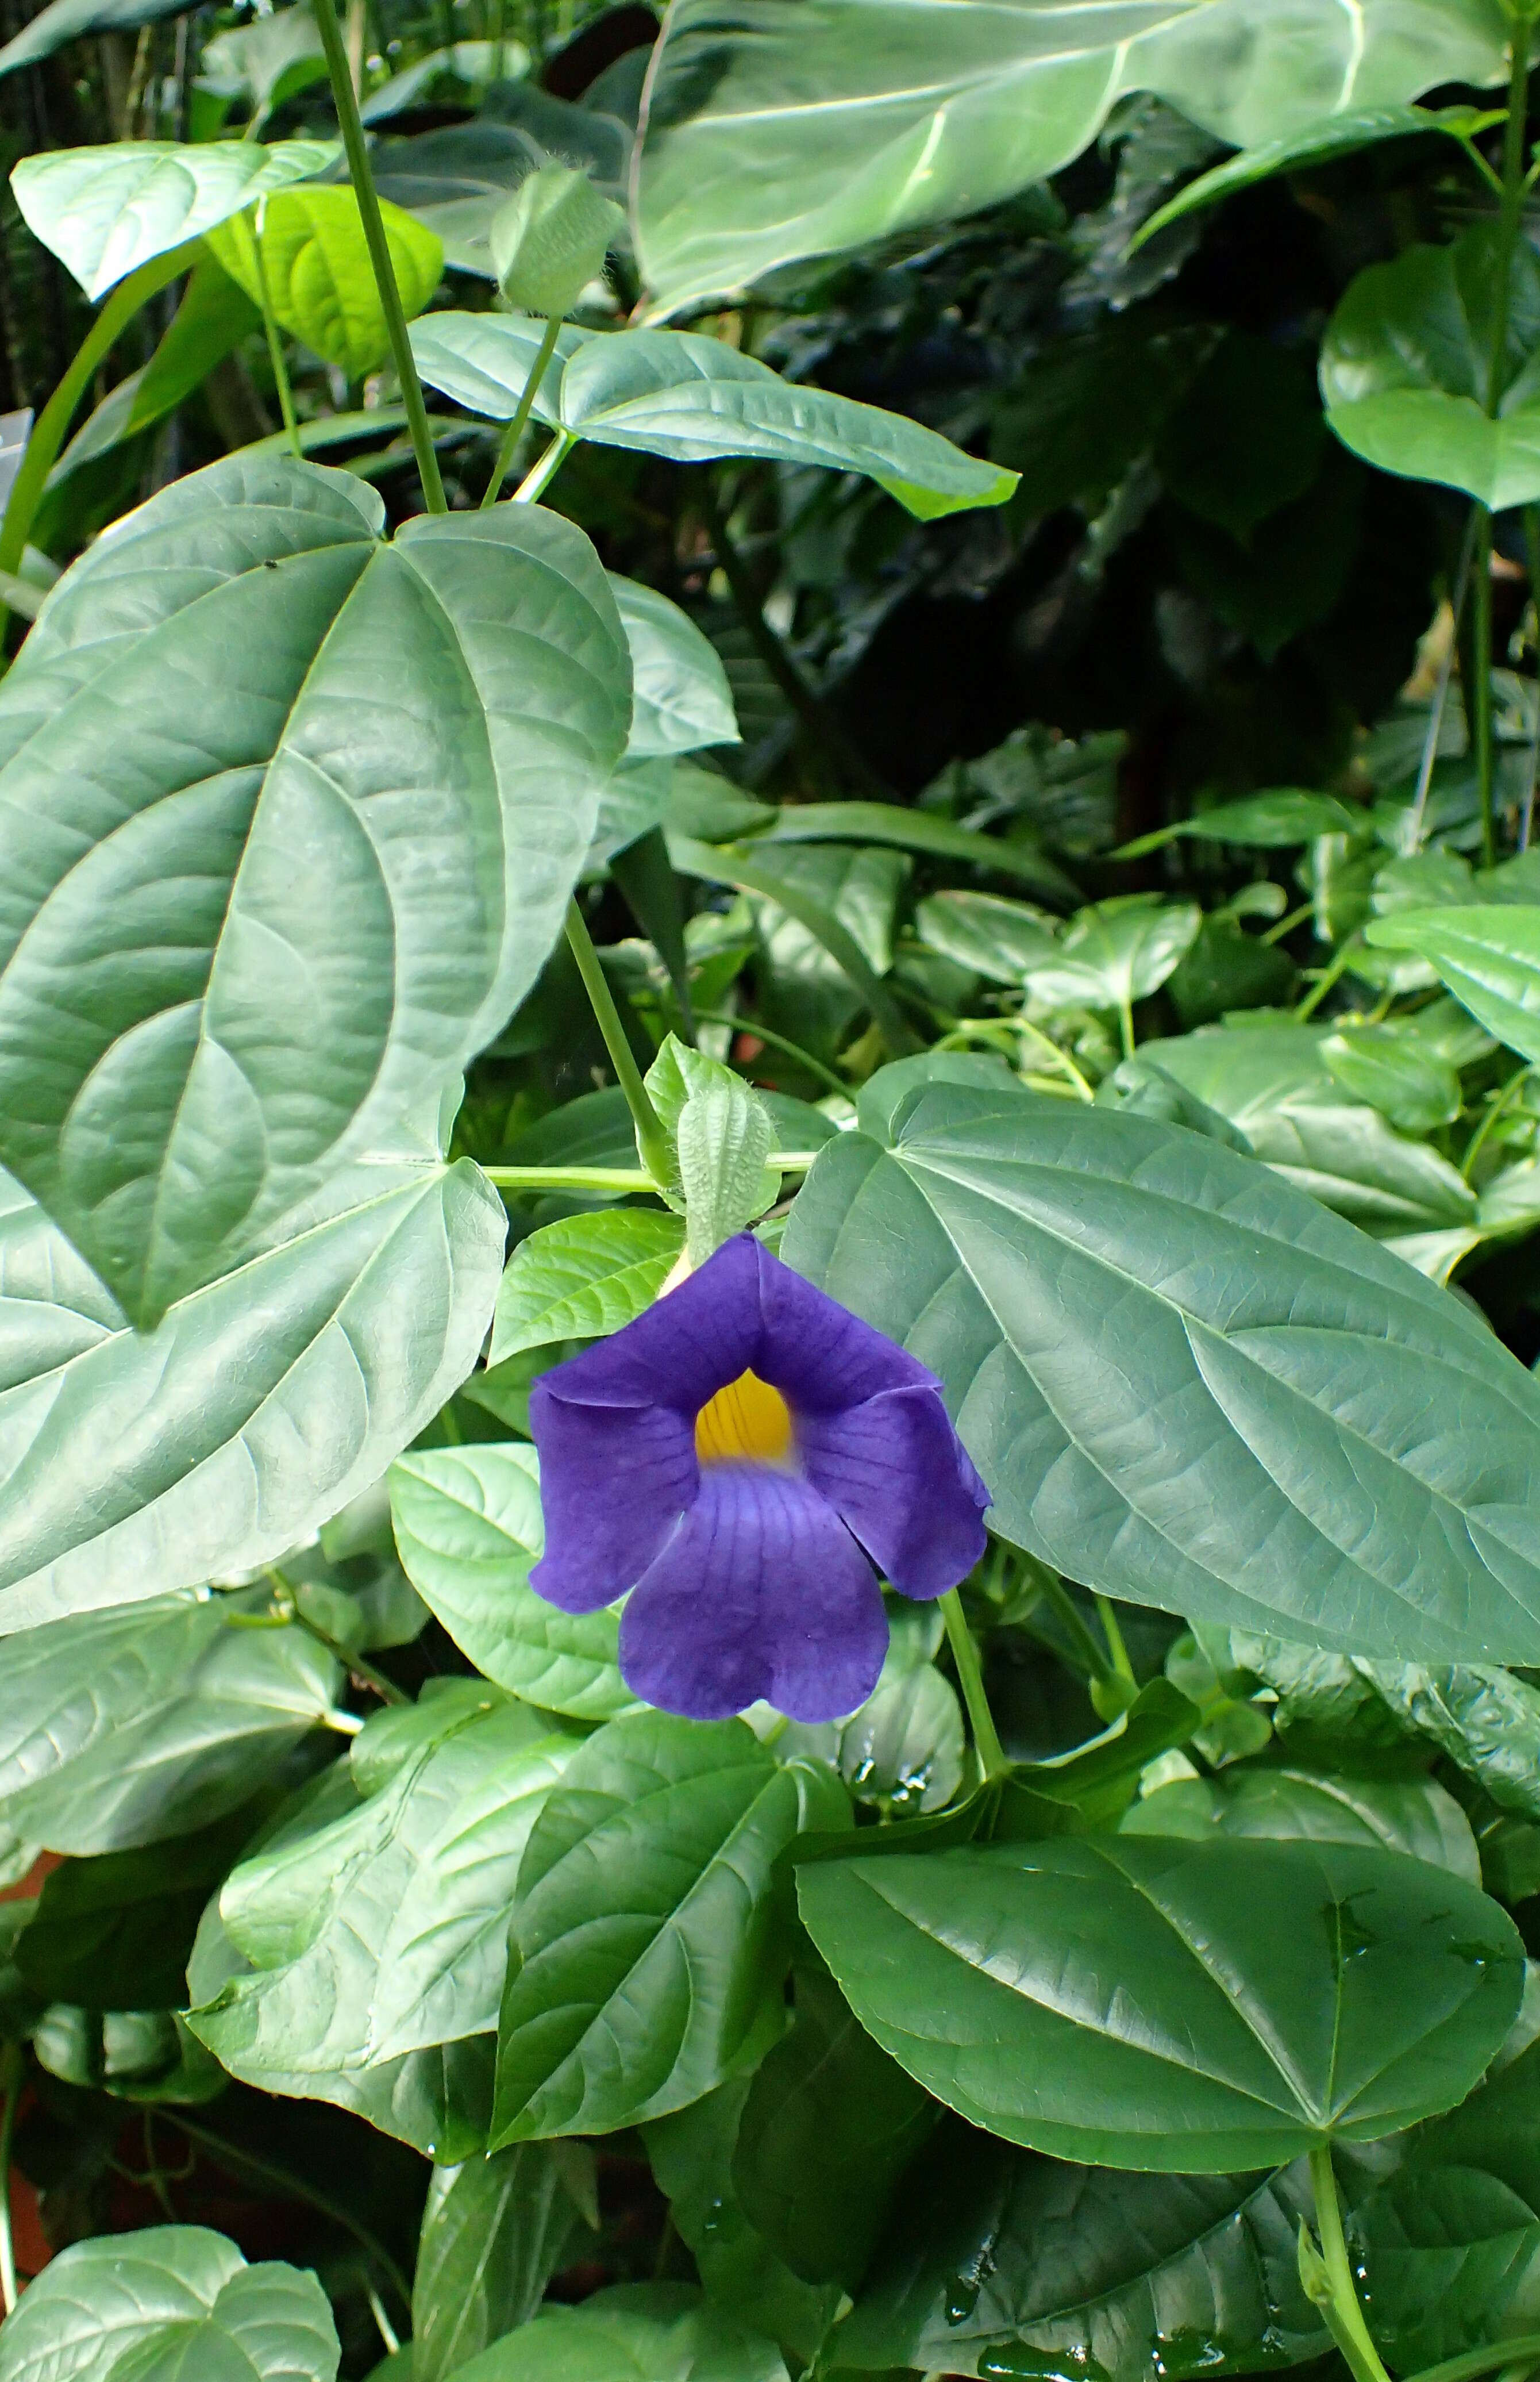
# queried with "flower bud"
point(549, 242)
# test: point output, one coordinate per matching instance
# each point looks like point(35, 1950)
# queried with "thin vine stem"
point(515, 430)
point(776, 1042)
point(10, 2087)
point(1352, 2332)
point(283, 2178)
point(275, 338)
point(1440, 702)
point(355, 1665)
point(1116, 1646)
point(1522, 2352)
point(532, 486)
point(353, 140)
point(651, 1139)
point(970, 1675)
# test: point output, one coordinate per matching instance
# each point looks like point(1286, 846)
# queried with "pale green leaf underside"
point(291, 818)
point(778, 131)
point(1184, 1381)
point(104, 212)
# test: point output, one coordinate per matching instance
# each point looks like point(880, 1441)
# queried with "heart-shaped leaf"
point(1489, 957)
point(680, 697)
point(1148, 2003)
point(583, 1278)
point(319, 280)
point(1184, 1381)
point(104, 212)
point(287, 840)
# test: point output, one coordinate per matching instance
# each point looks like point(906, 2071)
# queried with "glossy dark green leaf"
point(1488, 956)
point(493, 2232)
point(643, 1963)
point(1115, 952)
point(633, 2332)
point(583, 1278)
point(1001, 2260)
point(1168, 2006)
point(469, 1526)
point(1184, 1379)
point(1286, 816)
point(1090, 1789)
point(828, 2129)
point(168, 2303)
point(239, 1037)
point(133, 1462)
point(122, 1727)
point(1450, 2242)
point(107, 211)
point(1315, 144)
point(1406, 365)
point(1406, 1815)
point(778, 133)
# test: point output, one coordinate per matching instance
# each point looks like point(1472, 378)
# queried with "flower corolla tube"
point(739, 1458)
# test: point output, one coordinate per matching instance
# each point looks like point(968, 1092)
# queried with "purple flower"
point(728, 1457)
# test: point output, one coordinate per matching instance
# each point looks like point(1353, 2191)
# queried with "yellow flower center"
point(746, 1423)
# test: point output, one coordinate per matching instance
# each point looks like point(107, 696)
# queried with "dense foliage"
point(907, 626)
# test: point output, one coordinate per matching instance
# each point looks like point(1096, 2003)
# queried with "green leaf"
point(123, 1727)
point(583, 1278)
point(642, 1966)
point(776, 135)
point(1406, 362)
point(494, 2230)
point(635, 2332)
point(115, 1933)
point(680, 697)
point(168, 2301)
point(320, 280)
point(214, 317)
point(171, 1142)
point(1000, 940)
point(133, 1462)
point(1001, 2259)
point(265, 61)
point(1091, 1789)
point(1488, 956)
point(104, 212)
point(1286, 1994)
point(1394, 1072)
point(483, 361)
point(1185, 1381)
point(1272, 821)
point(1273, 1084)
point(316, 1921)
point(1316, 144)
point(66, 20)
point(691, 2155)
point(828, 2129)
point(1450, 2242)
point(551, 240)
point(1116, 953)
point(1405, 1815)
point(914, 830)
point(723, 1139)
point(469, 1526)
point(676, 394)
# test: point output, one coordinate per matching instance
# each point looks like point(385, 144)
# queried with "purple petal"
point(760, 1592)
point(895, 1470)
point(614, 1480)
point(684, 1348)
point(817, 1354)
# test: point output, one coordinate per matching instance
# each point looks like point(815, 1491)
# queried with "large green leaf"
point(198, 1036)
point(642, 1960)
point(104, 212)
point(1181, 2007)
point(1406, 364)
point(1450, 2242)
point(634, 2332)
point(132, 1463)
point(1000, 2257)
point(1185, 1381)
point(122, 1727)
point(1115, 952)
point(785, 129)
point(677, 394)
point(319, 280)
point(1406, 1815)
point(1489, 957)
point(493, 2232)
point(469, 1526)
point(167, 2303)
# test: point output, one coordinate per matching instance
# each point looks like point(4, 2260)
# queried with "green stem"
point(532, 486)
point(569, 1178)
point(1125, 1026)
point(1326, 978)
point(776, 1042)
point(1531, 554)
point(282, 2179)
point(1524, 2349)
point(651, 1140)
point(1074, 1622)
point(515, 430)
point(53, 422)
point(1481, 692)
point(379, 252)
point(1287, 925)
point(1353, 2332)
point(1498, 1107)
point(275, 338)
point(1114, 1644)
point(10, 2085)
point(1440, 705)
point(970, 1673)
point(353, 1664)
